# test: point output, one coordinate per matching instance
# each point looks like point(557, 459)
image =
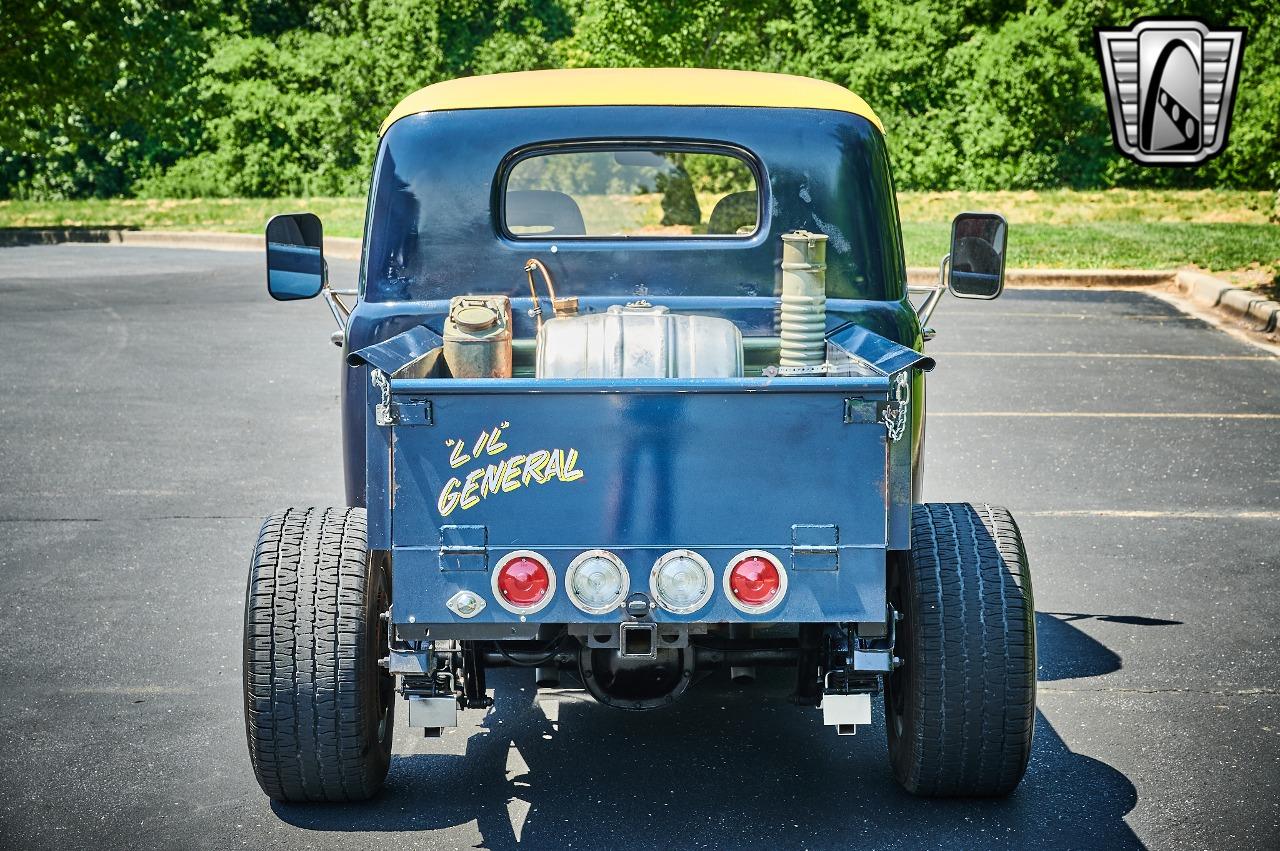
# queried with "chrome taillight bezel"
point(515, 609)
point(581, 559)
point(707, 571)
point(765, 607)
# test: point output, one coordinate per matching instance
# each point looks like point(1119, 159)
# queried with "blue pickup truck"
point(634, 396)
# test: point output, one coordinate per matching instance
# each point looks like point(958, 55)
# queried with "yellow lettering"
point(495, 441)
point(569, 474)
point(511, 478)
point(458, 457)
point(480, 442)
point(448, 499)
point(492, 478)
point(533, 465)
point(553, 466)
point(469, 498)
point(508, 474)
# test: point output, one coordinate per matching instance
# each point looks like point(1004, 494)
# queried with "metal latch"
point(407, 411)
point(893, 415)
point(897, 411)
point(412, 410)
point(815, 546)
point(464, 548)
point(860, 411)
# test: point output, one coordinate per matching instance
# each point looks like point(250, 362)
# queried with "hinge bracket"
point(412, 410)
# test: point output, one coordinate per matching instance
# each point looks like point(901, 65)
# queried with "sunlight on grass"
point(1116, 228)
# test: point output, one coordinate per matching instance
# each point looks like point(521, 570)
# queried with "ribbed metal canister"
point(804, 301)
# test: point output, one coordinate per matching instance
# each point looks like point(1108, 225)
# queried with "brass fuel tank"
point(477, 337)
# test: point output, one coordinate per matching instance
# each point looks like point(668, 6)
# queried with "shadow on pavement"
point(734, 767)
point(1066, 653)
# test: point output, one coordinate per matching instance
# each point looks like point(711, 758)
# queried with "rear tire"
point(960, 711)
point(319, 709)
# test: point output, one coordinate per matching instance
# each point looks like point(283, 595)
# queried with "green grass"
point(1069, 207)
point(1115, 245)
point(342, 216)
point(1117, 229)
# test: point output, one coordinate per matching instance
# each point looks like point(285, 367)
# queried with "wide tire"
point(318, 707)
point(960, 711)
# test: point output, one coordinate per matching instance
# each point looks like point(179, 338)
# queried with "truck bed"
point(799, 467)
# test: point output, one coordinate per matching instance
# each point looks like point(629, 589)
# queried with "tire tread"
point(973, 635)
point(305, 650)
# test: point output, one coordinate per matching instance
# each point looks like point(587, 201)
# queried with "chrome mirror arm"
point(341, 312)
point(934, 293)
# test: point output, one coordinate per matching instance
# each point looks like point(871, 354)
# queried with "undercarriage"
point(642, 665)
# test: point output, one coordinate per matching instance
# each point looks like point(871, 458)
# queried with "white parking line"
point(1031, 314)
point(1142, 514)
point(1106, 355)
point(1156, 415)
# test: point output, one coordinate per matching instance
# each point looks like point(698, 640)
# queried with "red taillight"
point(755, 581)
point(524, 582)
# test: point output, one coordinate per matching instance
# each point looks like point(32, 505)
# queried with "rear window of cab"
point(627, 191)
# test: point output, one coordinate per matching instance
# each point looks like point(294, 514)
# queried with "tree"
point(97, 93)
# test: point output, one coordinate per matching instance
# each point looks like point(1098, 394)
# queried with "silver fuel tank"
point(639, 340)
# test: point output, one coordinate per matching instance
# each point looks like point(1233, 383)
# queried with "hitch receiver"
point(638, 640)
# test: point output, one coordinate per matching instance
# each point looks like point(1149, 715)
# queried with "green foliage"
point(277, 121)
point(95, 94)
point(263, 97)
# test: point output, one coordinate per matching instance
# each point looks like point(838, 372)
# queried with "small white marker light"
point(465, 604)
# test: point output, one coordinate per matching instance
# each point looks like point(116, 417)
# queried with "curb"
point(924, 275)
point(337, 247)
point(1201, 289)
point(1208, 291)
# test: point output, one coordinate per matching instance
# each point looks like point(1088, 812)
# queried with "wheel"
point(960, 710)
point(318, 707)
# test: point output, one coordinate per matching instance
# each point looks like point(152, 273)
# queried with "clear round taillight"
point(523, 582)
point(755, 581)
point(597, 582)
point(681, 582)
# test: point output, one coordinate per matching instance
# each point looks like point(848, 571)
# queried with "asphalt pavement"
point(155, 404)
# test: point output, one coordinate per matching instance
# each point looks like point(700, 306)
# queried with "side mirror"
point(295, 256)
point(977, 255)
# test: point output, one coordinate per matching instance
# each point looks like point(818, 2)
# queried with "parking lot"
point(155, 404)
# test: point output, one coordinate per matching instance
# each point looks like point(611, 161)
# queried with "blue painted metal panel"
point(884, 354)
point(716, 465)
point(390, 355)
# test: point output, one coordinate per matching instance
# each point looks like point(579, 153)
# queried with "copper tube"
point(534, 263)
point(529, 266)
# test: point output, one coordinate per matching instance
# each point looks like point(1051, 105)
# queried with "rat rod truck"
point(634, 394)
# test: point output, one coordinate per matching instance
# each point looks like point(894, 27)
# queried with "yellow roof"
point(632, 87)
